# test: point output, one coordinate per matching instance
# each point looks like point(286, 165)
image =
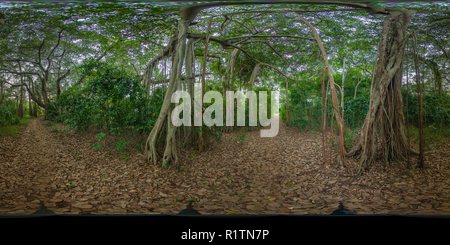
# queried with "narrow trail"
point(242, 174)
point(27, 177)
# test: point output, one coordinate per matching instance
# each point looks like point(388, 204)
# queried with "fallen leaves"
point(287, 179)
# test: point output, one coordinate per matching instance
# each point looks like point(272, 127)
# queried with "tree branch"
point(39, 102)
point(63, 76)
point(270, 46)
point(289, 36)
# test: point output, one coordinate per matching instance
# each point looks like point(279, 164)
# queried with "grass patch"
point(12, 130)
point(433, 136)
point(23, 122)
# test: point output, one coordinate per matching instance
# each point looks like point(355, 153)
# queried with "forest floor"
point(279, 175)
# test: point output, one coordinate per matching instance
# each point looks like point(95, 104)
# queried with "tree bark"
point(339, 119)
point(288, 115)
point(386, 107)
point(170, 152)
point(343, 78)
point(1, 91)
point(35, 105)
point(30, 109)
point(189, 65)
point(20, 108)
point(420, 102)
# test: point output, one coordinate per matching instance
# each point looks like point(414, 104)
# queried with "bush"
point(436, 109)
point(8, 113)
point(110, 99)
point(11, 130)
point(53, 112)
point(355, 110)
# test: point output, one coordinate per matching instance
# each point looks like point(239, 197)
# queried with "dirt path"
point(27, 174)
point(240, 175)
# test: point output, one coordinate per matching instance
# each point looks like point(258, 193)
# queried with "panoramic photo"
point(224, 108)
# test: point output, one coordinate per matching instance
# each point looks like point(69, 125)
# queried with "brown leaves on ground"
point(279, 175)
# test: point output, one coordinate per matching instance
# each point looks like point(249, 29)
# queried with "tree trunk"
point(386, 108)
point(189, 65)
point(44, 93)
point(228, 84)
point(170, 152)
point(58, 83)
point(30, 109)
point(343, 78)
point(420, 102)
point(1, 91)
point(339, 119)
point(250, 89)
point(35, 105)
point(288, 115)
point(20, 105)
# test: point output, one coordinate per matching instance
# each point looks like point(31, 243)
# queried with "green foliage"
point(355, 110)
point(215, 132)
point(9, 121)
point(306, 107)
point(54, 129)
point(349, 135)
point(99, 137)
point(110, 99)
point(48, 123)
point(240, 137)
point(121, 145)
point(8, 113)
point(436, 109)
point(52, 112)
point(23, 122)
point(11, 130)
point(433, 135)
point(97, 146)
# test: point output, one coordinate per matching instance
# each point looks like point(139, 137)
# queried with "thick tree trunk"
point(386, 108)
point(170, 152)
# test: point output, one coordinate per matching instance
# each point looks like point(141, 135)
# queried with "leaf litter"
point(279, 175)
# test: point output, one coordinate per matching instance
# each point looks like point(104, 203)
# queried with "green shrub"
point(23, 122)
point(99, 137)
point(8, 113)
point(11, 130)
point(52, 113)
point(436, 109)
point(121, 145)
point(110, 99)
